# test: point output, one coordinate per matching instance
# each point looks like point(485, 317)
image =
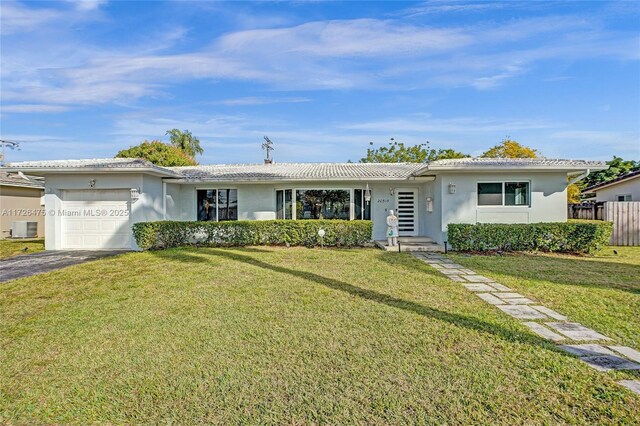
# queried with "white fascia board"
point(40, 171)
point(541, 168)
point(18, 185)
point(283, 180)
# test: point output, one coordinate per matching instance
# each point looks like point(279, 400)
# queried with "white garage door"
point(96, 219)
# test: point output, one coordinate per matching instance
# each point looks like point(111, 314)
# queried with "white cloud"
point(484, 83)
point(33, 108)
point(438, 7)
point(16, 18)
point(259, 100)
point(88, 4)
point(357, 37)
point(319, 55)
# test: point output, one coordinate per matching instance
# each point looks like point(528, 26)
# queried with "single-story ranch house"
point(91, 204)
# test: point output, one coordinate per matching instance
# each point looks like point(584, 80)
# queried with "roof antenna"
point(267, 146)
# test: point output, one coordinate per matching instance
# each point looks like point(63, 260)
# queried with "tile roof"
point(516, 162)
point(307, 171)
point(300, 171)
point(612, 181)
point(13, 179)
point(93, 163)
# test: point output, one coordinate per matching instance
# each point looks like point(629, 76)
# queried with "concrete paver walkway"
point(546, 323)
point(25, 265)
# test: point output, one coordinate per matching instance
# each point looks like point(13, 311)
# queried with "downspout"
point(579, 177)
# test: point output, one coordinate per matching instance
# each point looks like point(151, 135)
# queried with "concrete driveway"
point(25, 265)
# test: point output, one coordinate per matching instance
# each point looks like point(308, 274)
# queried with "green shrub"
point(166, 234)
point(574, 236)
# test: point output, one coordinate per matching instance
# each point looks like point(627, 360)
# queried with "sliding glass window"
point(503, 194)
point(217, 204)
point(284, 204)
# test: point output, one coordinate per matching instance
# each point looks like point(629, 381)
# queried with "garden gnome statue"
point(392, 229)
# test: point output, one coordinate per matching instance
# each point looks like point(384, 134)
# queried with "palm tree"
point(185, 141)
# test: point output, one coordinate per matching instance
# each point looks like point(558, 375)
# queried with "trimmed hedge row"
point(166, 234)
point(574, 236)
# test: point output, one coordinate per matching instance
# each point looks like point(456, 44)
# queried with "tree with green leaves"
point(509, 148)
point(398, 152)
point(159, 153)
point(185, 141)
point(617, 167)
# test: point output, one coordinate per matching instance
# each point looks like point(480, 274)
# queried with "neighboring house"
point(20, 201)
point(92, 204)
point(622, 188)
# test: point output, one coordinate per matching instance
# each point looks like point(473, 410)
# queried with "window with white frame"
point(625, 197)
point(217, 204)
point(503, 194)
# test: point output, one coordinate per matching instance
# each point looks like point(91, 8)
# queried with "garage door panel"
point(91, 241)
point(98, 222)
point(97, 195)
point(91, 225)
point(71, 225)
point(73, 241)
point(109, 225)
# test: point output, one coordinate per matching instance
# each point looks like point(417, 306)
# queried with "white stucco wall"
point(628, 187)
point(433, 219)
point(548, 199)
point(258, 201)
point(148, 207)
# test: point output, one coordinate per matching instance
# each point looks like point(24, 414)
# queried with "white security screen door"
point(407, 212)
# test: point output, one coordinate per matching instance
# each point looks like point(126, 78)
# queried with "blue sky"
point(322, 79)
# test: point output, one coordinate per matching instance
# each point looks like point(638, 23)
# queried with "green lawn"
point(271, 335)
point(601, 292)
point(10, 248)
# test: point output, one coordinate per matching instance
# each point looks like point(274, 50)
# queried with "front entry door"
point(407, 211)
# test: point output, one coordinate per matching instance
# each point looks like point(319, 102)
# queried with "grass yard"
point(10, 248)
point(601, 292)
point(274, 335)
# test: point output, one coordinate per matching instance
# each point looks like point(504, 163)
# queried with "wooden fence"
point(625, 216)
point(589, 211)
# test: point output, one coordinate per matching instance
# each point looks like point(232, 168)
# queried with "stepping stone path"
point(576, 331)
point(548, 323)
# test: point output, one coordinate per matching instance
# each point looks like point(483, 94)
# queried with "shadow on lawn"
point(583, 272)
point(456, 319)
